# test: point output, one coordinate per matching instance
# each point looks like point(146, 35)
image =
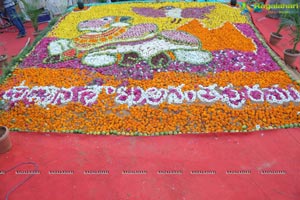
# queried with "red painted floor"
point(13, 46)
point(260, 165)
point(265, 156)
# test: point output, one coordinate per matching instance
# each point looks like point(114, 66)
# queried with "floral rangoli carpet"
point(150, 69)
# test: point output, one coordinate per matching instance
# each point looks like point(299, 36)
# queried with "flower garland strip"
point(225, 37)
point(68, 78)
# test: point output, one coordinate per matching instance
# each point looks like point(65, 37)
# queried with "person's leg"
point(11, 12)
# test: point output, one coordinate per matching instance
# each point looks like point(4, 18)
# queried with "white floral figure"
point(109, 37)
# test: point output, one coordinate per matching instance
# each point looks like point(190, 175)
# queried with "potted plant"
point(5, 142)
point(233, 2)
point(33, 10)
point(293, 20)
point(275, 37)
point(3, 56)
point(80, 4)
